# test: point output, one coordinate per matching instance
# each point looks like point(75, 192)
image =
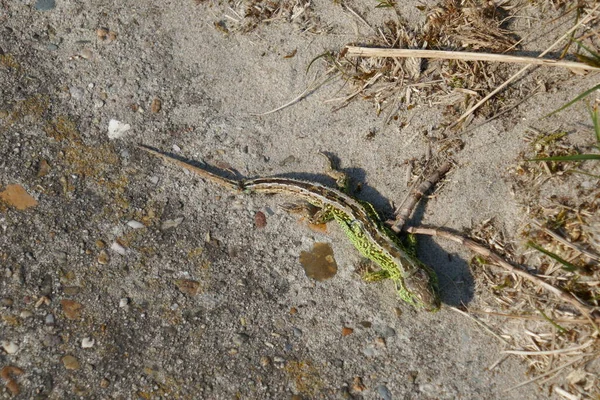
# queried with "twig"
point(584, 309)
point(522, 70)
point(354, 51)
point(403, 213)
point(564, 241)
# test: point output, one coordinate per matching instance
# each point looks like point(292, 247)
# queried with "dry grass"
point(395, 84)
point(246, 16)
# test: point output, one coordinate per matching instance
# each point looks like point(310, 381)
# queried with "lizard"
point(416, 283)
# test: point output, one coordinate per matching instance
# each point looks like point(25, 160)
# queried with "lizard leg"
point(314, 214)
point(341, 178)
point(375, 276)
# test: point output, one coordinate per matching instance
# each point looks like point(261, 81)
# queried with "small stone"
point(265, 361)
point(156, 105)
point(380, 342)
point(72, 309)
point(103, 257)
point(45, 5)
point(153, 180)
point(347, 331)
point(176, 148)
point(171, 223)
point(398, 312)
point(117, 129)
point(26, 314)
point(135, 224)
point(117, 248)
point(70, 362)
point(384, 392)
point(51, 47)
point(71, 290)
point(297, 332)
point(358, 385)
point(100, 244)
point(240, 339)
point(102, 33)
point(260, 220)
point(86, 54)
point(77, 93)
point(293, 311)
point(43, 168)
point(49, 319)
point(124, 302)
point(386, 331)
point(10, 347)
point(187, 286)
point(369, 351)
point(98, 103)
point(366, 324)
point(112, 36)
point(6, 302)
point(104, 383)
point(87, 342)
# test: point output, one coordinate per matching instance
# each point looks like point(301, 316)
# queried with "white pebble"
point(123, 302)
point(117, 129)
point(26, 314)
point(154, 180)
point(135, 224)
point(176, 148)
point(87, 342)
point(10, 347)
point(117, 248)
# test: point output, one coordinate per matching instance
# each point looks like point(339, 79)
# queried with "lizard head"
point(421, 289)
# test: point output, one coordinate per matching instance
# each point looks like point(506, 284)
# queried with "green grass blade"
point(594, 115)
point(556, 325)
point(574, 157)
point(567, 266)
point(575, 100)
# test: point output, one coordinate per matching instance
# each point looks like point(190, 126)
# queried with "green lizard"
point(415, 282)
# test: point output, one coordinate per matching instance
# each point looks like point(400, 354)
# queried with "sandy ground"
point(131, 279)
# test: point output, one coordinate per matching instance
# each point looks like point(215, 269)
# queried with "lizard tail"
point(232, 184)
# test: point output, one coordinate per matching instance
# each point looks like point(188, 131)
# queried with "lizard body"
point(416, 283)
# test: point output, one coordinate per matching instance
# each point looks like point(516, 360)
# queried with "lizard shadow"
point(455, 279)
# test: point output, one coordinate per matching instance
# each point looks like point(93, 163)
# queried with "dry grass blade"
point(565, 242)
point(484, 326)
point(354, 51)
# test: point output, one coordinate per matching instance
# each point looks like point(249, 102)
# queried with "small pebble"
point(176, 148)
point(49, 320)
point(369, 351)
point(117, 129)
point(70, 362)
point(103, 257)
point(240, 339)
point(45, 5)
point(98, 103)
point(26, 314)
point(77, 93)
point(117, 248)
point(6, 302)
point(297, 332)
point(10, 347)
point(72, 309)
point(265, 361)
point(86, 54)
point(87, 342)
point(156, 105)
point(386, 331)
point(171, 223)
point(51, 47)
point(124, 302)
point(135, 224)
point(384, 392)
point(347, 331)
point(153, 180)
point(104, 383)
